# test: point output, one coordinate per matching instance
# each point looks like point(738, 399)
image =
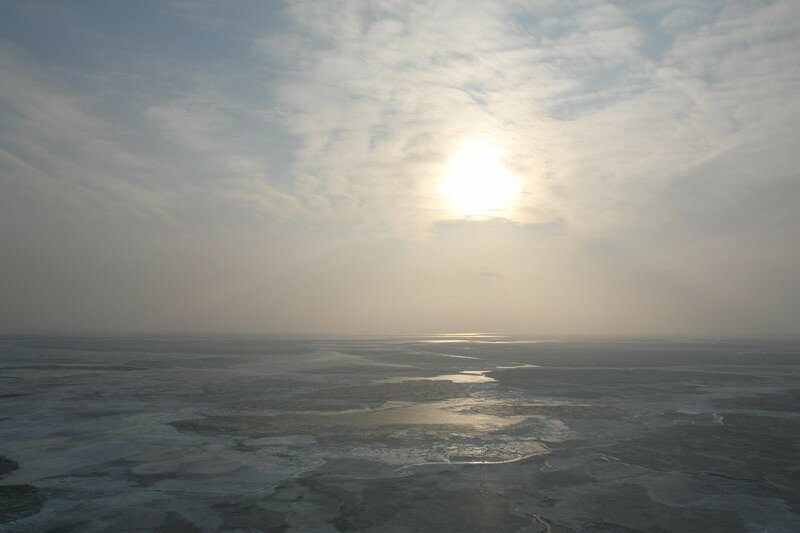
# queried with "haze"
point(311, 168)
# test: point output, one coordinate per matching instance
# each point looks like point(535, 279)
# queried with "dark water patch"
point(601, 526)
point(621, 383)
point(165, 345)
point(76, 367)
point(587, 412)
point(414, 503)
point(562, 478)
point(175, 523)
point(73, 527)
point(103, 414)
point(637, 353)
point(251, 516)
point(747, 454)
point(7, 466)
point(628, 507)
point(787, 402)
point(380, 393)
point(603, 377)
point(19, 501)
point(344, 370)
point(220, 425)
point(347, 467)
point(447, 499)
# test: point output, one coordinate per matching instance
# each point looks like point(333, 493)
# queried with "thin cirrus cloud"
point(272, 148)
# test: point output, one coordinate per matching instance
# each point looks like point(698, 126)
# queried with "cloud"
point(248, 144)
point(354, 121)
point(58, 155)
point(587, 119)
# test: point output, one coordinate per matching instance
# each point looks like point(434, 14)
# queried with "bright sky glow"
point(476, 184)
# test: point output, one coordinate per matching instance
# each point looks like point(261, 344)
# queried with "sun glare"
point(475, 183)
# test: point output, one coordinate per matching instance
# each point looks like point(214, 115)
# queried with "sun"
point(476, 184)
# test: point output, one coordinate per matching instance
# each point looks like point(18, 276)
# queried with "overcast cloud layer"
point(273, 167)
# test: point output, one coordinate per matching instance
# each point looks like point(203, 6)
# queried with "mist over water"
point(483, 432)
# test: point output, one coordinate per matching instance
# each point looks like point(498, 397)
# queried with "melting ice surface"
point(465, 376)
point(455, 432)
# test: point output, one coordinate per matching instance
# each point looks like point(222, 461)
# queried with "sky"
point(391, 167)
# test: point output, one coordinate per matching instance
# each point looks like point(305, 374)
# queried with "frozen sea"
point(458, 432)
